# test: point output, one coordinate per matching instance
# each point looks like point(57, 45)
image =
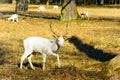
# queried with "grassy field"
point(92, 43)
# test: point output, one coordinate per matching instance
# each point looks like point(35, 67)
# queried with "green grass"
point(92, 43)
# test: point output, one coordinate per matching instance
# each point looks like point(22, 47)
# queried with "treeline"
point(78, 2)
point(6, 1)
point(97, 2)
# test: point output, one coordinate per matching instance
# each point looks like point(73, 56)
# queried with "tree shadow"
point(48, 15)
point(7, 52)
point(45, 15)
point(72, 73)
point(3, 51)
point(4, 14)
point(116, 19)
point(1, 54)
point(91, 51)
point(112, 6)
point(31, 14)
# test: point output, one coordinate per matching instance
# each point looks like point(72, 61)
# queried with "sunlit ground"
point(91, 43)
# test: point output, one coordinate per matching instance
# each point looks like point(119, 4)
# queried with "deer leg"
point(16, 19)
point(58, 59)
point(29, 59)
point(13, 20)
point(44, 61)
point(25, 55)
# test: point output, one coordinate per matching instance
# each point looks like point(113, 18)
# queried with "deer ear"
point(65, 38)
point(56, 37)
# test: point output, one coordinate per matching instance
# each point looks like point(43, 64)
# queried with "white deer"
point(85, 15)
point(13, 18)
point(42, 45)
point(41, 8)
point(55, 7)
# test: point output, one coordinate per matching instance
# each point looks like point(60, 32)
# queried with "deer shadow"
point(26, 64)
point(90, 51)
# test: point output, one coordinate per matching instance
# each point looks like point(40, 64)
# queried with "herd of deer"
point(43, 45)
point(43, 8)
point(14, 17)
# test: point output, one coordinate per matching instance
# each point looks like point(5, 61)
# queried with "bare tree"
point(69, 10)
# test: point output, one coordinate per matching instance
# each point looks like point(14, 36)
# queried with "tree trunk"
point(21, 5)
point(115, 2)
point(14, 1)
point(102, 2)
point(69, 10)
point(99, 2)
point(47, 3)
point(84, 2)
point(96, 2)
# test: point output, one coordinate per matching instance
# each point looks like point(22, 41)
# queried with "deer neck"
point(58, 45)
point(55, 46)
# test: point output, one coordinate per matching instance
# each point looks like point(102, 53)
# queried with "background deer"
point(84, 15)
point(13, 18)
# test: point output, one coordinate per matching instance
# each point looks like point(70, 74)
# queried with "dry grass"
point(91, 43)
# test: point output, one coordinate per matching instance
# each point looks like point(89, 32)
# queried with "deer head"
point(60, 39)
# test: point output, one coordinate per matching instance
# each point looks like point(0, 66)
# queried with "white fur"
point(41, 45)
point(13, 18)
point(41, 8)
point(85, 15)
point(55, 7)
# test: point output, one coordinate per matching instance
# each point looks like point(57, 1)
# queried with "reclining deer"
point(42, 45)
